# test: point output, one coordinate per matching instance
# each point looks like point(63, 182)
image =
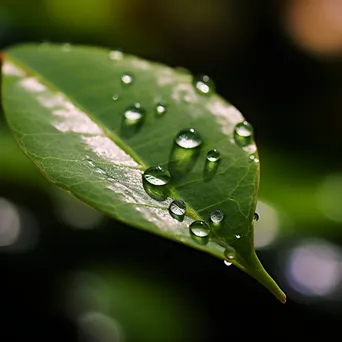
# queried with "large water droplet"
point(157, 175)
point(243, 134)
point(227, 263)
point(204, 85)
point(216, 216)
point(213, 155)
point(115, 55)
point(200, 232)
point(256, 217)
point(229, 253)
point(188, 138)
point(127, 79)
point(160, 109)
point(177, 209)
point(134, 114)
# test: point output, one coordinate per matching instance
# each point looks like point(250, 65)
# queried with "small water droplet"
point(254, 158)
point(115, 55)
point(160, 109)
point(256, 217)
point(66, 47)
point(157, 175)
point(204, 85)
point(134, 114)
point(177, 209)
point(243, 134)
point(238, 236)
point(188, 138)
point(116, 97)
point(227, 263)
point(229, 253)
point(127, 79)
point(213, 155)
point(200, 231)
point(216, 216)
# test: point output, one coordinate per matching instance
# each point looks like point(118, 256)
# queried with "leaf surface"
point(65, 106)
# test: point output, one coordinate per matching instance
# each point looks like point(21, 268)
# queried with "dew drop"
point(204, 85)
point(199, 231)
point(227, 263)
point(127, 79)
point(134, 114)
point(213, 155)
point(216, 216)
point(256, 217)
point(229, 253)
point(254, 158)
point(116, 97)
point(238, 236)
point(177, 209)
point(188, 138)
point(243, 134)
point(157, 175)
point(160, 109)
point(115, 55)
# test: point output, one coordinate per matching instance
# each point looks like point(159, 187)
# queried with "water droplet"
point(160, 109)
point(227, 263)
point(243, 134)
point(216, 216)
point(134, 114)
point(256, 217)
point(229, 253)
point(188, 138)
point(116, 97)
point(204, 85)
point(126, 79)
point(200, 231)
point(177, 209)
point(115, 55)
point(66, 47)
point(238, 236)
point(157, 175)
point(213, 155)
point(254, 158)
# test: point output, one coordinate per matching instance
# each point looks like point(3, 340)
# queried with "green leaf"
point(59, 103)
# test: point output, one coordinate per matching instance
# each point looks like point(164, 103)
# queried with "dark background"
point(280, 63)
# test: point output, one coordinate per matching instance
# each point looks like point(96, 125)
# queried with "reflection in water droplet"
point(256, 217)
point(238, 236)
point(210, 169)
point(227, 263)
point(229, 253)
point(199, 232)
point(216, 216)
point(204, 85)
point(116, 97)
point(160, 109)
point(157, 175)
point(254, 158)
point(213, 155)
point(66, 47)
point(243, 134)
point(177, 209)
point(126, 79)
point(188, 138)
point(182, 161)
point(134, 114)
point(115, 55)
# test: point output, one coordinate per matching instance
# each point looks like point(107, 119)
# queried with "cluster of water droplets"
point(159, 177)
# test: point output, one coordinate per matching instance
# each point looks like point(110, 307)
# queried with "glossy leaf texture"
point(93, 121)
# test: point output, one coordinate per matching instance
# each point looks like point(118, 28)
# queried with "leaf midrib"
point(192, 213)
